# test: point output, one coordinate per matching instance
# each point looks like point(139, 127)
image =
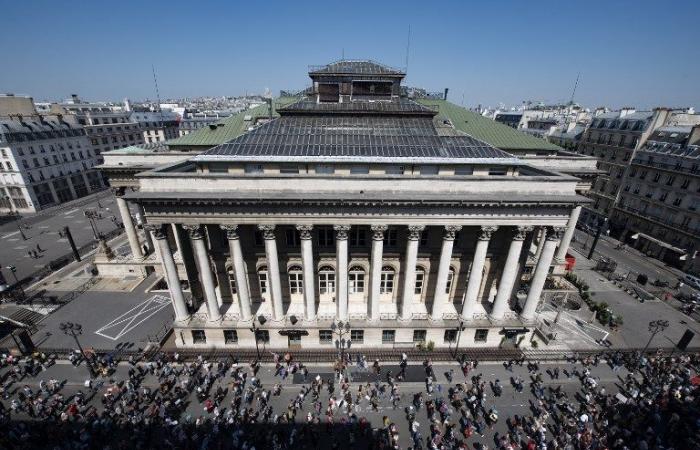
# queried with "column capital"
point(414, 232)
point(521, 231)
point(378, 232)
point(195, 231)
point(231, 231)
point(157, 230)
point(556, 233)
point(341, 231)
point(118, 191)
point(305, 231)
point(486, 232)
point(451, 232)
point(268, 231)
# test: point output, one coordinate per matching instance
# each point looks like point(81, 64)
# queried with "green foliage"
point(431, 346)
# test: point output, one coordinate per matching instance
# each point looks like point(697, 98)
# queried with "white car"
point(691, 280)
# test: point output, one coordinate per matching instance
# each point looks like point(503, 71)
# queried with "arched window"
point(420, 280)
point(263, 279)
point(386, 286)
point(356, 280)
point(296, 280)
point(450, 278)
point(326, 280)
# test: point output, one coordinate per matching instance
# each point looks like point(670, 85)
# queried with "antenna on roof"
point(408, 47)
point(342, 54)
point(155, 81)
point(571, 101)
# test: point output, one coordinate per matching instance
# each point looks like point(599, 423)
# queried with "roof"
point(403, 106)
point(150, 147)
point(487, 130)
point(355, 67)
point(229, 128)
point(351, 137)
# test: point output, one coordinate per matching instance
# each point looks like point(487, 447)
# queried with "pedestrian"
point(38, 249)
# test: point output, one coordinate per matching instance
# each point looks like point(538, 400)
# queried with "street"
point(42, 234)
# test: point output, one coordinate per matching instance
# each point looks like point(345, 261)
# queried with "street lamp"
point(655, 327)
point(459, 335)
point(341, 329)
point(255, 329)
point(75, 329)
point(16, 215)
point(13, 269)
point(92, 216)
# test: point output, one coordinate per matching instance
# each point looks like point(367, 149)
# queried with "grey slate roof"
point(331, 136)
point(402, 106)
point(355, 67)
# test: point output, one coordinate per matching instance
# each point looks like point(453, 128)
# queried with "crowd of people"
point(169, 403)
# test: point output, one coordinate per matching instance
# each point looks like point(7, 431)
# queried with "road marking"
point(44, 227)
point(21, 247)
point(71, 211)
point(134, 317)
point(13, 239)
point(10, 234)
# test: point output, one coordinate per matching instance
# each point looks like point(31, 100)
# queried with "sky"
point(628, 53)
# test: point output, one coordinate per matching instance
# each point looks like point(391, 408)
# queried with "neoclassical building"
point(354, 205)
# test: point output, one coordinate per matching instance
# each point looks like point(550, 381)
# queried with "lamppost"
point(655, 327)
point(459, 335)
point(75, 329)
point(13, 269)
point(255, 329)
point(341, 329)
point(601, 226)
point(92, 216)
point(16, 215)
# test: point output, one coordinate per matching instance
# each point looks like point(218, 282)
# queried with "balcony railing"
point(667, 167)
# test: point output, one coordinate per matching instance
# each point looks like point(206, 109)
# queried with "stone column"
point(477, 272)
point(510, 272)
point(136, 250)
point(239, 270)
point(568, 234)
point(341, 270)
point(204, 267)
point(307, 263)
point(409, 272)
point(273, 270)
point(71, 188)
point(376, 269)
point(170, 269)
point(540, 275)
point(441, 296)
point(178, 242)
point(541, 239)
point(86, 180)
point(147, 234)
point(54, 195)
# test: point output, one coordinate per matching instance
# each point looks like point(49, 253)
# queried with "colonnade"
point(441, 299)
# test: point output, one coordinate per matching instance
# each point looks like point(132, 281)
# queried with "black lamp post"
point(13, 269)
point(255, 329)
point(75, 329)
point(459, 335)
point(655, 327)
point(341, 329)
point(92, 216)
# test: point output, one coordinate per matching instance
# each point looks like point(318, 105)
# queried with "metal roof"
point(400, 106)
point(487, 130)
point(361, 137)
point(355, 67)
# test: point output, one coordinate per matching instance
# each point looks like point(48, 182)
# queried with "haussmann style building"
point(352, 204)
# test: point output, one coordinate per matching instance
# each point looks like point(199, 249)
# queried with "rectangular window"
point(480, 335)
point(253, 168)
point(395, 170)
point(296, 281)
point(262, 336)
point(262, 277)
point(386, 285)
point(359, 170)
point(259, 241)
point(292, 237)
point(357, 336)
point(356, 280)
point(325, 169)
point(390, 237)
point(388, 336)
point(498, 171)
point(419, 336)
point(289, 169)
point(325, 237)
point(358, 237)
point(325, 336)
point(450, 336)
point(230, 337)
point(464, 170)
point(423, 238)
point(420, 281)
point(199, 337)
point(428, 170)
point(450, 277)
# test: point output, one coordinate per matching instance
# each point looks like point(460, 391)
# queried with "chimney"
point(626, 110)
point(694, 138)
point(445, 96)
point(75, 98)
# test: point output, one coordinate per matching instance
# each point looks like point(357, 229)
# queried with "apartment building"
point(45, 159)
point(156, 126)
point(658, 211)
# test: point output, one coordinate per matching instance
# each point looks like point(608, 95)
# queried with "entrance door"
point(294, 341)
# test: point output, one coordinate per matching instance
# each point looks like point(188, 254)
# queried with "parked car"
point(691, 280)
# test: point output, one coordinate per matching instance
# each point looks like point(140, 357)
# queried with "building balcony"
point(693, 231)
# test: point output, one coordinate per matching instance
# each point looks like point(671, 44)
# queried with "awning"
point(659, 243)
